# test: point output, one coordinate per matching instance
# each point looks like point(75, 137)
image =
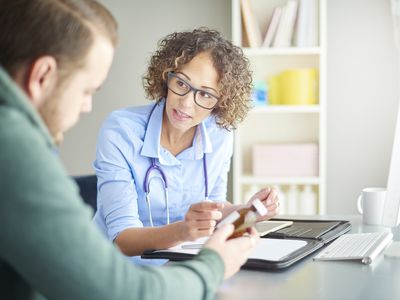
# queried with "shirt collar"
point(151, 142)
point(201, 143)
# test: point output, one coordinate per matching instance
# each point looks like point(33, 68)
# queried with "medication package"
point(245, 217)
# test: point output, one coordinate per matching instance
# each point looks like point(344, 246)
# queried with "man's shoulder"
point(24, 150)
point(9, 114)
point(16, 127)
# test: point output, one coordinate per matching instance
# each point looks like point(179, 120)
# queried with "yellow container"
point(273, 90)
point(294, 87)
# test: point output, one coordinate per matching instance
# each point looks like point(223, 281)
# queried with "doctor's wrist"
point(181, 231)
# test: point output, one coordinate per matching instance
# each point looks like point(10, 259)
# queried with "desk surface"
point(325, 280)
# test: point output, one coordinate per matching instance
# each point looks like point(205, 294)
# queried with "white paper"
point(275, 249)
point(266, 249)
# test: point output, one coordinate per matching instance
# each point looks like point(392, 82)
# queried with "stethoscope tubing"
point(155, 168)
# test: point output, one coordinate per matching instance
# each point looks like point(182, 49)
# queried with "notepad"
point(265, 249)
point(275, 249)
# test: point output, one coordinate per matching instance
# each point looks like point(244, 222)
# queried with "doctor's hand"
point(200, 220)
point(234, 252)
point(269, 197)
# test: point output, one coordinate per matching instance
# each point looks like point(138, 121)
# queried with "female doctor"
point(157, 164)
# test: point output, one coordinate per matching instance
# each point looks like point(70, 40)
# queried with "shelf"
point(248, 179)
point(281, 51)
point(286, 109)
point(282, 123)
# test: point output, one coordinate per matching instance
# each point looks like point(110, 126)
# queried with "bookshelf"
point(281, 124)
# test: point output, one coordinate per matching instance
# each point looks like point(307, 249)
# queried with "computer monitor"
point(391, 211)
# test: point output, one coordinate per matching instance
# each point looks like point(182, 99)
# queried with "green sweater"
point(48, 245)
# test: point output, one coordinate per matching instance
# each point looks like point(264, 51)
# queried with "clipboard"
point(268, 254)
point(302, 237)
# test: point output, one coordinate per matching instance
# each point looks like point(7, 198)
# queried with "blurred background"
point(362, 84)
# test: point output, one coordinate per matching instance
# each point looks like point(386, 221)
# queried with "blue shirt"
point(127, 141)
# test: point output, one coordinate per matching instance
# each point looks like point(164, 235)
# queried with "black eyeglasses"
point(180, 87)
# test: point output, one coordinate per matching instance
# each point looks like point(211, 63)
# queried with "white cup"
point(370, 204)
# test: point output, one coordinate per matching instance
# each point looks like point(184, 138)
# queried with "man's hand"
point(234, 252)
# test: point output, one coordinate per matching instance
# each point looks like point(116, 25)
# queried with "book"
point(272, 27)
point(250, 24)
point(306, 33)
point(285, 29)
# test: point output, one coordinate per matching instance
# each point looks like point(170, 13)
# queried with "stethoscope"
point(154, 168)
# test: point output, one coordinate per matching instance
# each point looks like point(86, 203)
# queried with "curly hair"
point(235, 78)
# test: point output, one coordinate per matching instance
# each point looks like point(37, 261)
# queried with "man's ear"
point(41, 79)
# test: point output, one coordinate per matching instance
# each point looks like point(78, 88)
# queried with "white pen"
point(192, 246)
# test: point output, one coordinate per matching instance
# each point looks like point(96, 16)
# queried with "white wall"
point(363, 88)
point(363, 84)
point(141, 25)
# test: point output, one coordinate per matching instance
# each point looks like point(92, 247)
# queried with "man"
point(54, 55)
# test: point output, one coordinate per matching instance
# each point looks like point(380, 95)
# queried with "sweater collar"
point(12, 96)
